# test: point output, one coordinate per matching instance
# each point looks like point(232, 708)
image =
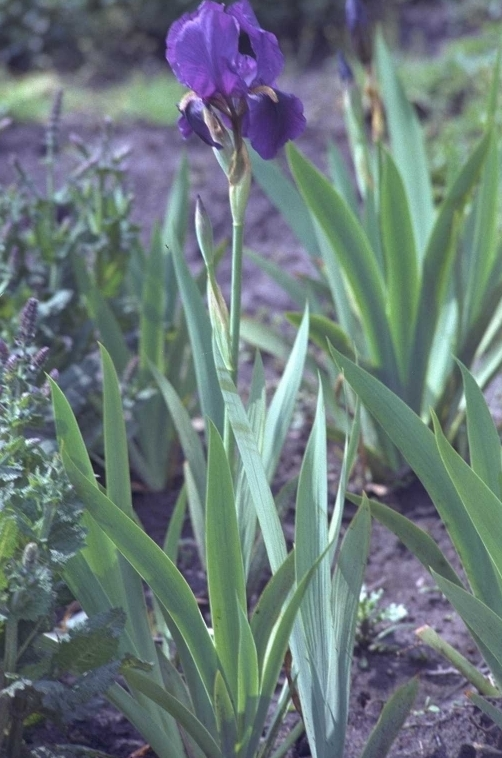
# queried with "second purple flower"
point(231, 65)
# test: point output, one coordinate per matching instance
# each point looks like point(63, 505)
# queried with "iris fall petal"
point(271, 124)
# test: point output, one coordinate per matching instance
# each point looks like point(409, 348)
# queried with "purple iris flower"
point(231, 65)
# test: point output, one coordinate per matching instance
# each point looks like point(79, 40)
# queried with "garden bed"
point(442, 724)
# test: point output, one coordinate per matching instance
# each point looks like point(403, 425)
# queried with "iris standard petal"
point(264, 46)
point(271, 124)
point(201, 50)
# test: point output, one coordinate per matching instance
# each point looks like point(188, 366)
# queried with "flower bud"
point(51, 137)
point(39, 358)
point(46, 387)
point(344, 70)
point(28, 322)
point(355, 15)
point(358, 24)
point(218, 315)
point(30, 555)
point(204, 233)
point(11, 364)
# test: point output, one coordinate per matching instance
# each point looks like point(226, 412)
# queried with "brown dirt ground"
point(451, 728)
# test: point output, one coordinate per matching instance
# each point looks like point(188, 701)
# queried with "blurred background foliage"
point(108, 56)
point(106, 34)
point(106, 37)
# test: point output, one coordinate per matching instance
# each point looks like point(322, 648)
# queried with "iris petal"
point(230, 65)
point(201, 49)
point(192, 121)
point(271, 124)
point(269, 59)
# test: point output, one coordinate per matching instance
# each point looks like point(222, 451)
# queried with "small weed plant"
point(40, 533)
point(375, 621)
point(73, 245)
point(45, 231)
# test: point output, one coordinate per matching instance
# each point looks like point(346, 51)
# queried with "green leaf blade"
point(269, 606)
point(391, 720)
point(401, 264)
point(225, 570)
point(418, 446)
point(408, 146)
point(483, 255)
point(416, 539)
point(118, 485)
point(437, 267)
point(345, 594)
point(199, 329)
point(485, 513)
point(252, 463)
point(481, 620)
point(284, 195)
point(484, 442)
point(311, 541)
point(190, 442)
point(281, 408)
point(153, 565)
point(179, 711)
point(351, 246)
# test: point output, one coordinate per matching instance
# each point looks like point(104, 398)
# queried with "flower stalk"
point(239, 180)
point(238, 195)
point(230, 66)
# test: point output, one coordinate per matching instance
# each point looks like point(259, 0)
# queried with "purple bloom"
point(231, 65)
point(357, 20)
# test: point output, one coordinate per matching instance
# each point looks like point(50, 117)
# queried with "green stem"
point(235, 302)
point(239, 182)
point(29, 639)
point(4, 714)
point(15, 739)
point(48, 518)
point(235, 321)
point(470, 672)
point(10, 652)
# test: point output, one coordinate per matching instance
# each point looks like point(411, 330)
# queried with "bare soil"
point(443, 724)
